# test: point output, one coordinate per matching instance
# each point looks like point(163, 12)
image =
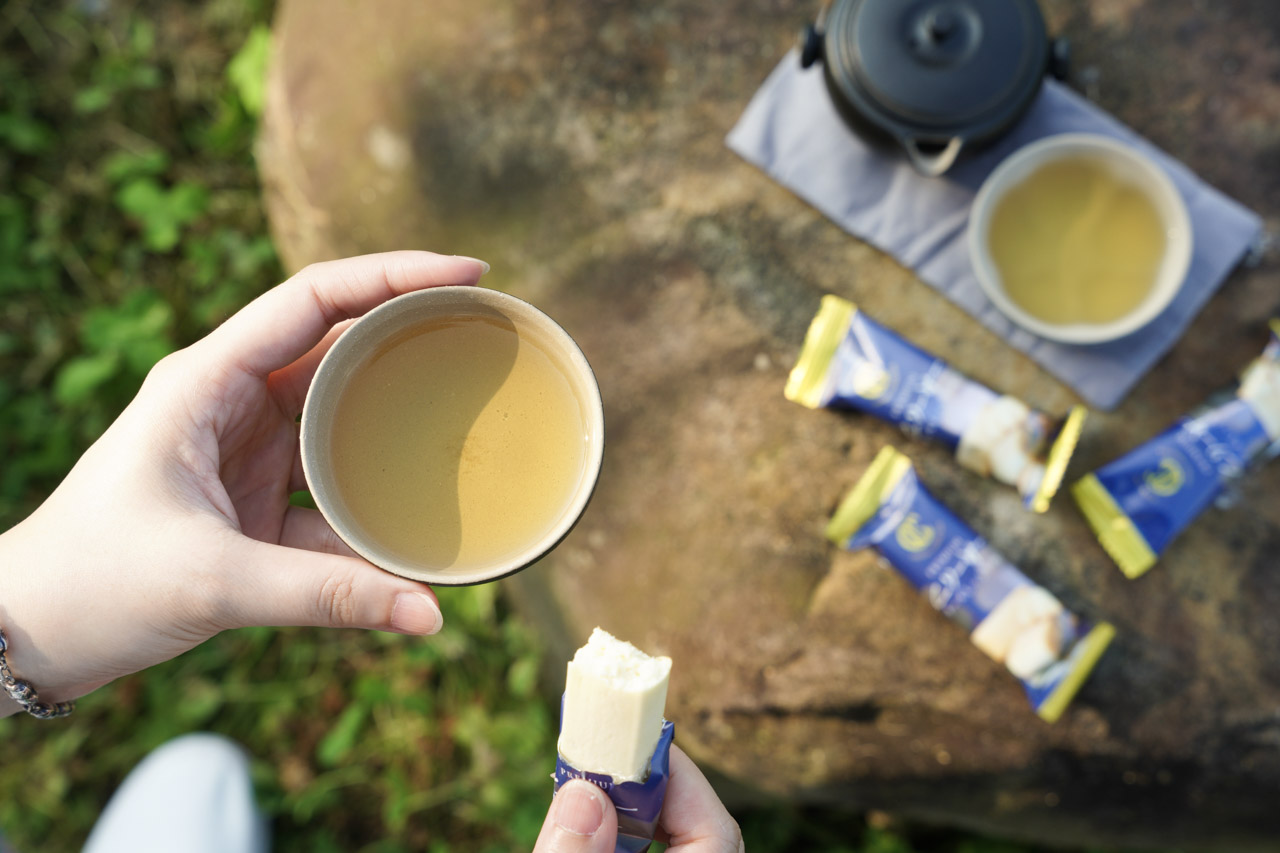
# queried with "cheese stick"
point(1015, 621)
point(612, 732)
point(850, 361)
point(1139, 503)
point(614, 697)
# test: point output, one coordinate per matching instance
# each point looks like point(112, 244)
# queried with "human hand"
point(176, 523)
point(693, 820)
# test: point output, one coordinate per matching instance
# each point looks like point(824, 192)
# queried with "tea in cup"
point(453, 435)
point(1079, 238)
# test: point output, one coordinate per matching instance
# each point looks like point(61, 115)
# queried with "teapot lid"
point(937, 67)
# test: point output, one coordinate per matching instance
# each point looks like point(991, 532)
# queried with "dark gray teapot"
point(934, 77)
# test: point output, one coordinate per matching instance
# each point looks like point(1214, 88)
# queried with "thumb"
point(581, 820)
point(277, 585)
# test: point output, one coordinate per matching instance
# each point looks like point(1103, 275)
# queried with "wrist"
point(23, 694)
point(29, 646)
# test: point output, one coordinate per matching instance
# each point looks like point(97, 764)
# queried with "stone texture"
point(579, 148)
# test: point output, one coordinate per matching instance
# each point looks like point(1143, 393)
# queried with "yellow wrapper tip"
point(808, 378)
point(867, 494)
point(1059, 455)
point(1084, 660)
point(1116, 532)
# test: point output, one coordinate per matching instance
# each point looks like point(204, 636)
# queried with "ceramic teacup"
point(1127, 165)
point(362, 423)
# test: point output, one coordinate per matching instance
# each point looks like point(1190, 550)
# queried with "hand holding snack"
point(619, 780)
point(582, 819)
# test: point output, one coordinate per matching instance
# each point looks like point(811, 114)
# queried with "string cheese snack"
point(1018, 623)
point(612, 732)
point(1140, 502)
point(850, 361)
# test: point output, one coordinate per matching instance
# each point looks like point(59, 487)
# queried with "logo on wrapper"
point(872, 381)
point(1166, 479)
point(913, 536)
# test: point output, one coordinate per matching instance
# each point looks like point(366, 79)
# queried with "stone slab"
point(579, 148)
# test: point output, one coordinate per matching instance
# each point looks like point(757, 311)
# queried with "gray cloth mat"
point(792, 131)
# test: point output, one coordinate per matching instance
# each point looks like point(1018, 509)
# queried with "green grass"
point(130, 225)
point(360, 741)
point(130, 221)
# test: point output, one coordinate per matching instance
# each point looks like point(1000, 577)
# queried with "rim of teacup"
point(363, 338)
point(1135, 168)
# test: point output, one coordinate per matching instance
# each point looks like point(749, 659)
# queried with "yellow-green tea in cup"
point(458, 441)
point(1080, 238)
point(453, 435)
point(1074, 243)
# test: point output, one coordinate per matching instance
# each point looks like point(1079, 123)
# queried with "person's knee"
point(193, 793)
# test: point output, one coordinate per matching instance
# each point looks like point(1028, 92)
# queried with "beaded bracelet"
point(24, 694)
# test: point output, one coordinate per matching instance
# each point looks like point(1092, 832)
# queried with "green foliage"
point(126, 68)
point(120, 167)
point(161, 211)
point(247, 71)
point(130, 222)
point(125, 339)
point(358, 739)
point(24, 133)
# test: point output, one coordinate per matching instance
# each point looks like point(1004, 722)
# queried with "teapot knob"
point(810, 46)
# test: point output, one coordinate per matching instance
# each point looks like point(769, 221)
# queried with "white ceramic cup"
point(363, 339)
point(1129, 166)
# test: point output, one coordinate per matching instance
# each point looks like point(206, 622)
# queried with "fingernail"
point(415, 613)
point(578, 809)
point(477, 260)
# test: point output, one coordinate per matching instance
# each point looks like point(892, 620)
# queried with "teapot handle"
point(932, 165)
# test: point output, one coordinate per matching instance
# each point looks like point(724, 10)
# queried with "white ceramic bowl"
point(1131, 167)
point(363, 339)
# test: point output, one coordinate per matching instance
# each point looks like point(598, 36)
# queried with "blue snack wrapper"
point(1139, 503)
point(1014, 620)
point(850, 361)
point(639, 804)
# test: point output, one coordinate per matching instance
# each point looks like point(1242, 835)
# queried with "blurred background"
point(131, 224)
